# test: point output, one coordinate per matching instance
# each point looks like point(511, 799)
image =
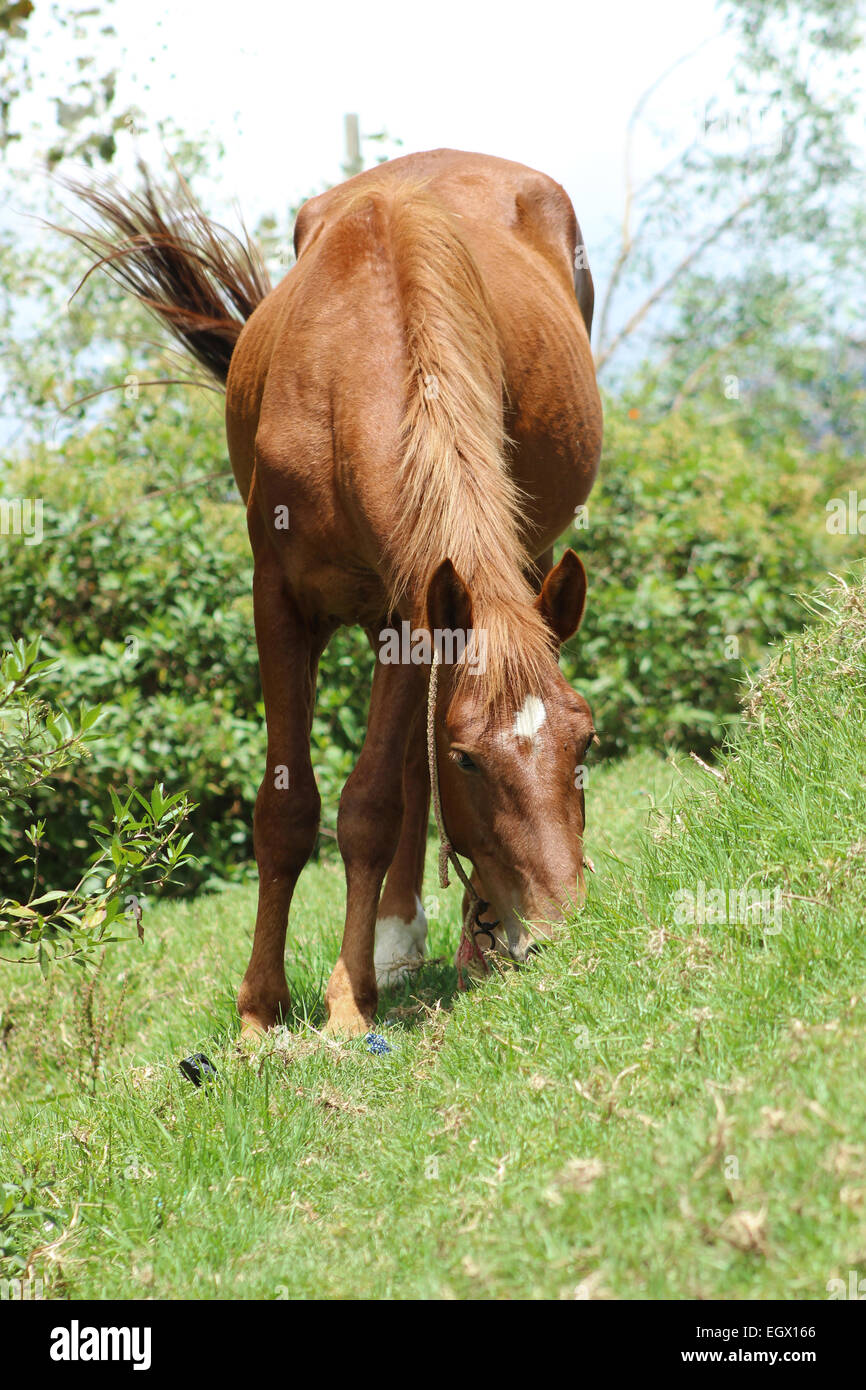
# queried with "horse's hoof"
point(252, 1035)
point(345, 1021)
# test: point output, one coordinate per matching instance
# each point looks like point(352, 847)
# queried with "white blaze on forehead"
point(529, 718)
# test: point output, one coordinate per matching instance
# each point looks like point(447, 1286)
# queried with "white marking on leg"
point(398, 945)
point(530, 718)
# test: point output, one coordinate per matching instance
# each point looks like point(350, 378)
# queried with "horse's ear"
point(449, 604)
point(563, 596)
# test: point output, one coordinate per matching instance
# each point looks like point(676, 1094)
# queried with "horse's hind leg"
point(286, 817)
point(401, 925)
point(368, 831)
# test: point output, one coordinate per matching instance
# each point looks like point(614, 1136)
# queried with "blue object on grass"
point(376, 1044)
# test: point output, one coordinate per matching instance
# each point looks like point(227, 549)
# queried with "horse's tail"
point(457, 496)
point(454, 478)
point(198, 277)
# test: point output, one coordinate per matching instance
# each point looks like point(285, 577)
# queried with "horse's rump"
point(387, 338)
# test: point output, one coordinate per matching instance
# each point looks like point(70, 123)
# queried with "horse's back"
point(319, 373)
point(483, 189)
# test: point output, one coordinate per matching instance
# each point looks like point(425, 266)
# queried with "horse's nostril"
point(525, 950)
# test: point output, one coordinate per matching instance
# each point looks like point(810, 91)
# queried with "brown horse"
point(412, 419)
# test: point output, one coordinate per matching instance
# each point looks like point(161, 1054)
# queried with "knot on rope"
point(445, 852)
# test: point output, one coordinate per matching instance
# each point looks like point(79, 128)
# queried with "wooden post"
point(354, 160)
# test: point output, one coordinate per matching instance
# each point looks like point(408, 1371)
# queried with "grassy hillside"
point(658, 1107)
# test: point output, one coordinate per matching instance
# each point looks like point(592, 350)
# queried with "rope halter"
point(469, 956)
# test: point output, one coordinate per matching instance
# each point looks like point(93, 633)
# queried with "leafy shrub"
point(695, 551)
point(140, 847)
point(142, 590)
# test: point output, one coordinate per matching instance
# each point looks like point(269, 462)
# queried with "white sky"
point(550, 84)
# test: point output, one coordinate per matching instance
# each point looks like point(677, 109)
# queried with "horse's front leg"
point(401, 924)
point(368, 830)
point(286, 818)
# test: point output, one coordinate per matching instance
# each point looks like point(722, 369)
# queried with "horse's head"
point(511, 772)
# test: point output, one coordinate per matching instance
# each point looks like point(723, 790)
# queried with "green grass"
point(654, 1108)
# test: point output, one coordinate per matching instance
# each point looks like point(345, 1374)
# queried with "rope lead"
point(469, 954)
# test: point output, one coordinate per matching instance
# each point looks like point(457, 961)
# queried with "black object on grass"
point(197, 1068)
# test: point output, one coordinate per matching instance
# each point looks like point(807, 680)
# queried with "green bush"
point(139, 848)
point(141, 588)
point(695, 550)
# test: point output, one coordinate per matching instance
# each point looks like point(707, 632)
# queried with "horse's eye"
point(463, 761)
point(593, 738)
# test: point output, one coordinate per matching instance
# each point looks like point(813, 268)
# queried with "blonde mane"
point(456, 496)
